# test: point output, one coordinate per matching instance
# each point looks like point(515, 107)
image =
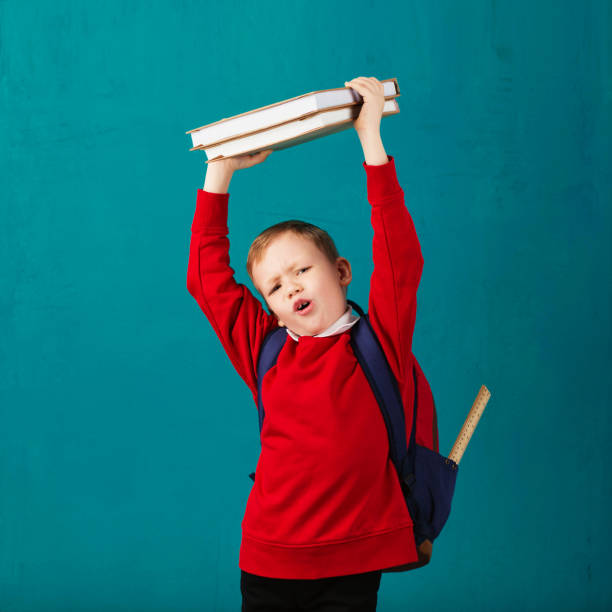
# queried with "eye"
point(277, 286)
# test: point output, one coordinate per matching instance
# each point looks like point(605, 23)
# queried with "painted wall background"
point(126, 437)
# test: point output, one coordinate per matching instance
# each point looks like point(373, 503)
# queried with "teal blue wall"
point(118, 406)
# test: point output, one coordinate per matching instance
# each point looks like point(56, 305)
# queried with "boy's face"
point(292, 269)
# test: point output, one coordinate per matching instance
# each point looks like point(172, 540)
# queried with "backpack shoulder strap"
point(371, 357)
point(268, 354)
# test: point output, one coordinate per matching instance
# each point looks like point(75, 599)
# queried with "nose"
point(293, 289)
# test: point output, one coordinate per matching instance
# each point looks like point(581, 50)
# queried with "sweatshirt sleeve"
point(235, 314)
point(398, 264)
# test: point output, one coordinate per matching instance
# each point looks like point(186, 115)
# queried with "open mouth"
point(304, 308)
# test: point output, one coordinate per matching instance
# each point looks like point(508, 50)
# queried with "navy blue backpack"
point(426, 477)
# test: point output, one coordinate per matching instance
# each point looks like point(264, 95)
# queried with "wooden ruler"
point(469, 426)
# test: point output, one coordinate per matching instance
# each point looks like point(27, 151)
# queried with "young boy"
point(326, 512)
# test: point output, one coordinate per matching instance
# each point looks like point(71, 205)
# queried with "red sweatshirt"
point(326, 500)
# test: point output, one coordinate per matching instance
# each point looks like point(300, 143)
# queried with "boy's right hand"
point(219, 173)
point(242, 161)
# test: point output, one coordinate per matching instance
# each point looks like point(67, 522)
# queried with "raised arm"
point(235, 314)
point(396, 251)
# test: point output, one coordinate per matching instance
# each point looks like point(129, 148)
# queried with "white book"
point(282, 112)
point(294, 132)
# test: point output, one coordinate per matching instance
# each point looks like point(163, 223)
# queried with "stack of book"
point(287, 123)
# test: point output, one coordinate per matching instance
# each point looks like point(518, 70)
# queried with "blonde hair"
point(318, 236)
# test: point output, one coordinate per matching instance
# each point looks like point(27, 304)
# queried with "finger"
point(257, 158)
point(357, 80)
point(361, 84)
point(356, 85)
point(373, 86)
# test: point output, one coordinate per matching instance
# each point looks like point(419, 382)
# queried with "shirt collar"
point(346, 321)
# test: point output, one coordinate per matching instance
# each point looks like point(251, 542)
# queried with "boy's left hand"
point(373, 94)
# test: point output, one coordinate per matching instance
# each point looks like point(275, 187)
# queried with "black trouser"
point(351, 593)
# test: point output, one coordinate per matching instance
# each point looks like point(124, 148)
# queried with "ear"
point(344, 271)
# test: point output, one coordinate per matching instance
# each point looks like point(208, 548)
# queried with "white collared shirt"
point(346, 321)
